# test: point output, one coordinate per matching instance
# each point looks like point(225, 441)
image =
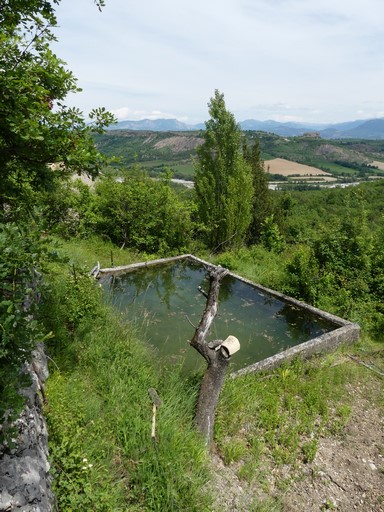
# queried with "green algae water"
point(164, 303)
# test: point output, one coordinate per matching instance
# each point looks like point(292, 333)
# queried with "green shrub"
point(270, 236)
point(303, 274)
point(22, 254)
point(144, 214)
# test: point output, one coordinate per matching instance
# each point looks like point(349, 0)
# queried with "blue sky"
point(286, 60)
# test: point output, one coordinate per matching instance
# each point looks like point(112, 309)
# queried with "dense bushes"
point(143, 213)
point(22, 253)
point(327, 242)
point(133, 211)
point(340, 265)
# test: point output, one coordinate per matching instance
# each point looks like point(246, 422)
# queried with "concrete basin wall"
point(327, 342)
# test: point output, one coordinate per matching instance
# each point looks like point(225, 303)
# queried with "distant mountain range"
point(362, 129)
point(156, 125)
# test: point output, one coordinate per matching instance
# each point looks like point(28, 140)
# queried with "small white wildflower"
point(85, 460)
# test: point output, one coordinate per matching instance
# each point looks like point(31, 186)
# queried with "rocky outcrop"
point(24, 469)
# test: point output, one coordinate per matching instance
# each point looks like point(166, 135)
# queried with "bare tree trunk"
point(209, 395)
point(217, 361)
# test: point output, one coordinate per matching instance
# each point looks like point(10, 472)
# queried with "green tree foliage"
point(37, 128)
point(68, 208)
point(340, 266)
point(270, 235)
point(22, 253)
point(303, 274)
point(41, 140)
point(262, 201)
point(143, 213)
point(223, 180)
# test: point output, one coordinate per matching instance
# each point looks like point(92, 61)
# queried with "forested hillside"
point(345, 159)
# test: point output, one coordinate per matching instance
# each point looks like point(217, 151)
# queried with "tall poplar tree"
point(262, 206)
point(223, 179)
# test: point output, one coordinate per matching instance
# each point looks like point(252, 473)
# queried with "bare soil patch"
point(379, 165)
point(179, 143)
point(346, 475)
point(288, 168)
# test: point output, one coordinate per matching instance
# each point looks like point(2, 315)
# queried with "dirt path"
point(347, 473)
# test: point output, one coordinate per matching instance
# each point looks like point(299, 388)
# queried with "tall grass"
point(91, 250)
point(99, 414)
point(256, 263)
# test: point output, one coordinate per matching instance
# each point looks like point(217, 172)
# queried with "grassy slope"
point(100, 411)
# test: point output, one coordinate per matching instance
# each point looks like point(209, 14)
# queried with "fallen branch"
point(198, 340)
point(203, 292)
point(369, 366)
point(193, 325)
point(336, 482)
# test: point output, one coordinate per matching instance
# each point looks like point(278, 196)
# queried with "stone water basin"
point(161, 298)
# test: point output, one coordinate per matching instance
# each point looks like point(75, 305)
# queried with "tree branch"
point(217, 360)
point(198, 340)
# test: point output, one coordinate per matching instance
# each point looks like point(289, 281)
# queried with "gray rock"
point(5, 500)
point(24, 471)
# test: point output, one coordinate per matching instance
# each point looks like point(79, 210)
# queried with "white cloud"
point(303, 59)
point(126, 113)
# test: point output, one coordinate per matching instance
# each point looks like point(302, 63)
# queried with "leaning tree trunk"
point(209, 395)
point(217, 360)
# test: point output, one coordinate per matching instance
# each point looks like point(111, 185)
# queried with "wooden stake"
point(157, 402)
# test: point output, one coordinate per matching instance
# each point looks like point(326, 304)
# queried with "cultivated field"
point(379, 165)
point(288, 168)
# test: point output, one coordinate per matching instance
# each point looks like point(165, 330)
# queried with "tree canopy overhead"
point(37, 128)
point(223, 180)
